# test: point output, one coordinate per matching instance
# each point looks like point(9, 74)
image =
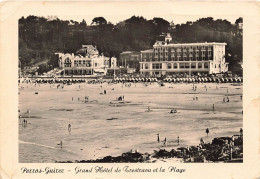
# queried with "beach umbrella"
point(226, 80)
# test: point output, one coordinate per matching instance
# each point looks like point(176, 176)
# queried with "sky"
point(114, 12)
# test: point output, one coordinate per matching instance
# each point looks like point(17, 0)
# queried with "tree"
point(99, 21)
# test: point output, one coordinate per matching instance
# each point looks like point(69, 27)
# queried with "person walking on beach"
point(105, 92)
point(207, 131)
point(61, 144)
point(158, 138)
point(178, 140)
point(213, 107)
point(28, 111)
point(72, 98)
point(69, 128)
point(149, 111)
point(165, 142)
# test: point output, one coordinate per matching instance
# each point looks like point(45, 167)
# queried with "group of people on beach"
point(24, 122)
point(165, 140)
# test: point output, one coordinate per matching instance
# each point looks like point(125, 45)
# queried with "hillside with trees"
point(40, 37)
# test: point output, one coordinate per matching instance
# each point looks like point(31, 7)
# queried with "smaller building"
point(130, 60)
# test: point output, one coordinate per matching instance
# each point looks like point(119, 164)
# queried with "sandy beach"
point(100, 128)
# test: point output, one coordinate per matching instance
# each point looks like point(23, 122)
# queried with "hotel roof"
point(147, 51)
point(162, 43)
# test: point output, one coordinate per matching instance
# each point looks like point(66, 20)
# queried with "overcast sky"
point(178, 12)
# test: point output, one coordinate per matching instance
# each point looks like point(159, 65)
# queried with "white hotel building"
point(85, 61)
point(190, 58)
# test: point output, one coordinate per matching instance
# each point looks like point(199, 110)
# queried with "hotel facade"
point(85, 61)
point(187, 58)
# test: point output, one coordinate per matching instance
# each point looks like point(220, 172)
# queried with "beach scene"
point(101, 125)
point(136, 89)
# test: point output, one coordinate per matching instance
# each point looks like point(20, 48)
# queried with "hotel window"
point(169, 66)
point(190, 53)
point(206, 65)
point(146, 66)
point(79, 61)
point(181, 65)
point(199, 65)
point(184, 58)
point(166, 53)
point(157, 66)
point(193, 65)
point(190, 58)
point(175, 65)
point(203, 52)
point(161, 53)
point(187, 65)
point(197, 58)
point(67, 60)
point(173, 58)
point(203, 58)
point(209, 53)
point(179, 58)
point(166, 58)
point(197, 52)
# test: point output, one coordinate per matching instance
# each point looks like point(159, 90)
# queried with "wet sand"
point(100, 128)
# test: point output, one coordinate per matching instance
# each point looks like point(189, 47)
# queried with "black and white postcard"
point(129, 89)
